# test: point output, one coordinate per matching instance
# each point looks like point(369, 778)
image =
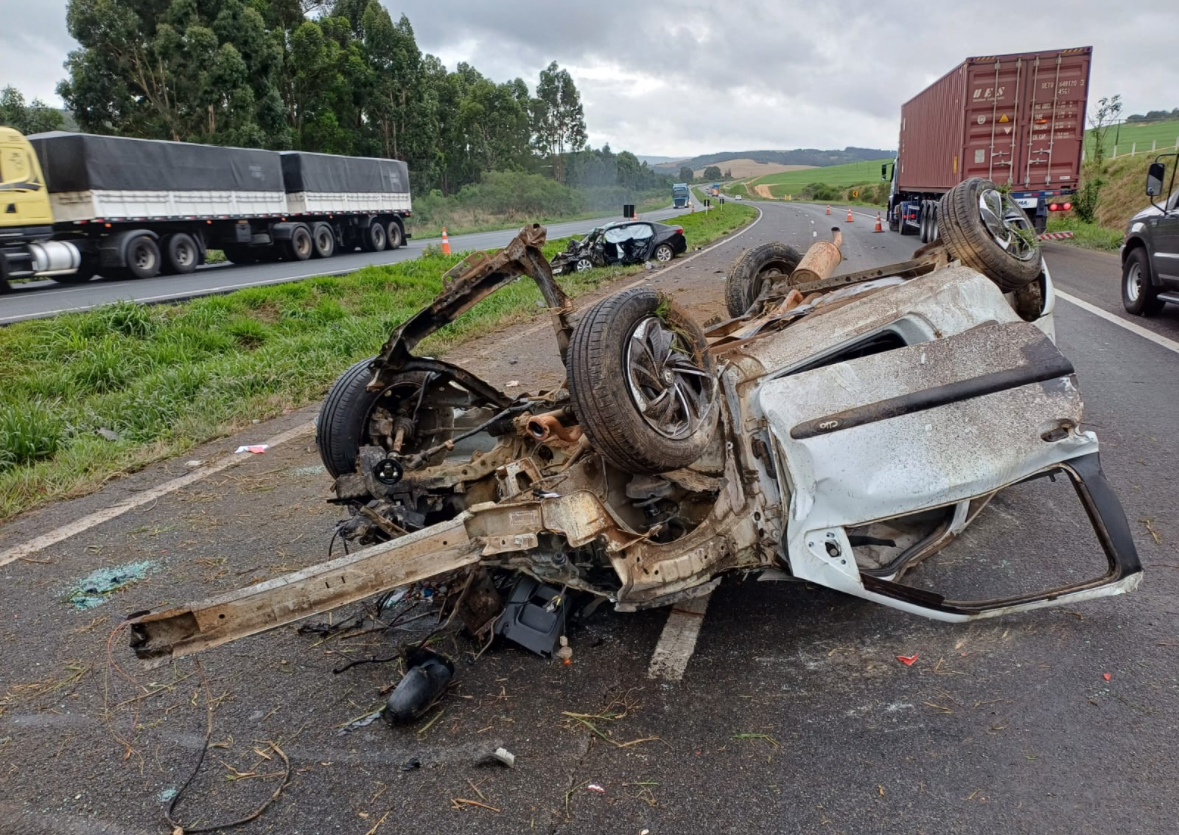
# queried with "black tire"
point(240, 254)
point(903, 227)
point(1139, 295)
point(180, 253)
point(143, 259)
point(609, 412)
point(395, 235)
point(323, 241)
point(663, 253)
point(342, 425)
point(935, 232)
point(300, 246)
point(1002, 250)
point(748, 274)
point(374, 237)
point(893, 226)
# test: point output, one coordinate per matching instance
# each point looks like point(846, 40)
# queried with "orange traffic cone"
point(828, 210)
point(445, 242)
point(850, 219)
point(879, 224)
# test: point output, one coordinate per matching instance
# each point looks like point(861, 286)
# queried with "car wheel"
point(583, 264)
point(663, 253)
point(1139, 296)
point(664, 414)
point(395, 236)
point(374, 237)
point(180, 254)
point(987, 231)
point(342, 426)
point(323, 241)
point(753, 270)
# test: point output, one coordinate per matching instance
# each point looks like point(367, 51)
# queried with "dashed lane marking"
point(678, 641)
point(138, 500)
point(1161, 341)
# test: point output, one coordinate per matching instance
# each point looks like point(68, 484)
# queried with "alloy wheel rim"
point(663, 254)
point(1007, 224)
point(672, 393)
point(1133, 282)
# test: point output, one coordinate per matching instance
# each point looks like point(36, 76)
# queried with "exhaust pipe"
point(546, 427)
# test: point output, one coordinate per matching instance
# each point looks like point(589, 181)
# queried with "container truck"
point(680, 196)
point(73, 205)
point(1017, 120)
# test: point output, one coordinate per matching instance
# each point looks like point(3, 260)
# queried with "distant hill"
point(654, 161)
point(800, 156)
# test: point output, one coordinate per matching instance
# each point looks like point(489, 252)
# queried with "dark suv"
point(1150, 251)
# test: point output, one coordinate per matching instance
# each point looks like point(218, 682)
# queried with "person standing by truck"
point(1015, 120)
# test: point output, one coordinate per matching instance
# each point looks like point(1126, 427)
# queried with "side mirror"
point(884, 171)
point(1154, 179)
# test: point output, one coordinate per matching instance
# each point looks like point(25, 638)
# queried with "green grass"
point(1165, 134)
point(167, 377)
point(850, 174)
point(1088, 235)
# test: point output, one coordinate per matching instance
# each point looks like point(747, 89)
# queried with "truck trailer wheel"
point(642, 382)
point(323, 240)
point(753, 270)
point(374, 237)
point(396, 235)
point(240, 254)
point(300, 246)
point(987, 231)
point(180, 254)
point(143, 259)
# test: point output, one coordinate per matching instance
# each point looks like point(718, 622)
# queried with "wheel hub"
point(671, 392)
point(1007, 224)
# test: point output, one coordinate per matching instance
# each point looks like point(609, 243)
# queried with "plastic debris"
point(108, 434)
point(907, 660)
point(256, 449)
point(594, 787)
point(565, 653)
point(428, 675)
point(411, 764)
point(505, 756)
point(1107, 676)
point(511, 384)
point(193, 464)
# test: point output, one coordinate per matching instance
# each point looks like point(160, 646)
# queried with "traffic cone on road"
point(850, 219)
point(879, 224)
point(445, 242)
point(828, 210)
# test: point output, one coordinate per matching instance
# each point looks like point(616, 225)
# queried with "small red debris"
point(907, 660)
point(1106, 676)
point(594, 787)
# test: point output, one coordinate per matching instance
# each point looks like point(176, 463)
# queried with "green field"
point(1143, 134)
point(850, 174)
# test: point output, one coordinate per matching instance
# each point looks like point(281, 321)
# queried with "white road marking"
point(106, 514)
point(1161, 341)
point(678, 641)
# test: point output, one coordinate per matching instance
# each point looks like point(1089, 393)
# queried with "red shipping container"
point(1017, 119)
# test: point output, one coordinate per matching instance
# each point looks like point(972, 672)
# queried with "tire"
point(1139, 296)
point(395, 235)
point(323, 241)
point(608, 346)
point(903, 227)
point(180, 252)
point(996, 244)
point(240, 254)
point(143, 259)
point(663, 254)
point(935, 232)
point(923, 225)
point(300, 246)
point(893, 226)
point(749, 272)
point(583, 264)
point(374, 237)
point(342, 425)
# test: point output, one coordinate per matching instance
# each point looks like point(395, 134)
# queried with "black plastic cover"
point(85, 162)
point(303, 171)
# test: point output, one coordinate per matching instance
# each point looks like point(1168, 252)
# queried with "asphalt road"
point(41, 299)
point(793, 714)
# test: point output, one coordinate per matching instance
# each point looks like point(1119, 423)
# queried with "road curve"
point(42, 299)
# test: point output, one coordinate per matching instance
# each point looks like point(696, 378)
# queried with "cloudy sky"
point(694, 77)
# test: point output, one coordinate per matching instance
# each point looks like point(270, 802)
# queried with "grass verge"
point(1087, 235)
point(88, 396)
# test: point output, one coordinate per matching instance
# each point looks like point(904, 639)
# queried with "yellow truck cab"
point(26, 218)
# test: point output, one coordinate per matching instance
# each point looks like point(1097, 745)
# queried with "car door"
point(1165, 238)
point(888, 457)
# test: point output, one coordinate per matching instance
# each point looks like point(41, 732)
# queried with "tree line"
point(338, 77)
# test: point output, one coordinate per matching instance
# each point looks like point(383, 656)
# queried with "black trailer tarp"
point(304, 172)
point(85, 162)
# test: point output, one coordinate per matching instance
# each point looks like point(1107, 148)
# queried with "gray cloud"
point(694, 76)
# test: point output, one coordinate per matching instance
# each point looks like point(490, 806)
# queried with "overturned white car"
point(837, 429)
